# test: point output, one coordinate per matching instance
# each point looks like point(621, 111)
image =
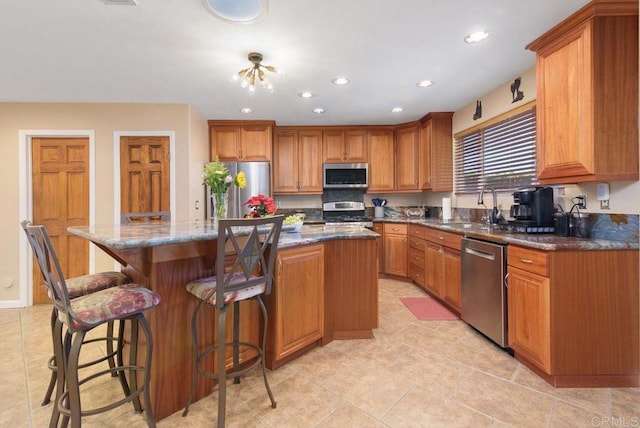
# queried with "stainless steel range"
point(345, 213)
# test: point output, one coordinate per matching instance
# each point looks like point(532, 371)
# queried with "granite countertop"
point(548, 242)
point(121, 237)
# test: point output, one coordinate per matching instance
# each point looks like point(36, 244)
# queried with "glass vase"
point(220, 205)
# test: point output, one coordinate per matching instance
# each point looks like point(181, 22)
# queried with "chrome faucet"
point(495, 212)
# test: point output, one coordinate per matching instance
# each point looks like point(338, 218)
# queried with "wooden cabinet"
point(395, 249)
point(407, 158)
point(434, 263)
point(381, 161)
point(587, 95)
point(240, 141)
point(436, 152)
point(529, 328)
point(296, 162)
point(345, 146)
point(296, 303)
point(379, 229)
point(573, 315)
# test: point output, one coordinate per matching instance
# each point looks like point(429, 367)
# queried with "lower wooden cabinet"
point(451, 280)
point(395, 249)
point(296, 302)
point(379, 229)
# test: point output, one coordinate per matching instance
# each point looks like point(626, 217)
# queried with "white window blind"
point(501, 155)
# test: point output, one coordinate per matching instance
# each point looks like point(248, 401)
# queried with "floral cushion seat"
point(110, 304)
point(205, 289)
point(87, 284)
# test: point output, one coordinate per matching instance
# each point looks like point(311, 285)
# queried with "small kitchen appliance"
point(532, 210)
point(345, 213)
point(345, 175)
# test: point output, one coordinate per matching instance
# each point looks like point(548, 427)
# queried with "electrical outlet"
point(582, 202)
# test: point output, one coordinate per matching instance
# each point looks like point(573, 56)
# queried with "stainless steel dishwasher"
point(484, 293)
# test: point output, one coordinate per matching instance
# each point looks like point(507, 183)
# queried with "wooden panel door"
point(333, 147)
point(407, 158)
point(451, 278)
point(144, 174)
point(225, 142)
point(355, 146)
point(424, 155)
point(285, 162)
point(309, 158)
point(530, 317)
point(381, 161)
point(255, 143)
point(433, 268)
point(61, 199)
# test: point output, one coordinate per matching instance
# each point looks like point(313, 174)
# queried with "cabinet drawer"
point(417, 231)
point(416, 257)
point(527, 259)
point(416, 243)
point(416, 273)
point(395, 228)
point(446, 239)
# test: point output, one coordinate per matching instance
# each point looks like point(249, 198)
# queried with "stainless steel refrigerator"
point(258, 182)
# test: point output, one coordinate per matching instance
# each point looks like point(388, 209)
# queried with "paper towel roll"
point(446, 208)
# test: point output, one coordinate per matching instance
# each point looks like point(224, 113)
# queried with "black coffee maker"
point(533, 209)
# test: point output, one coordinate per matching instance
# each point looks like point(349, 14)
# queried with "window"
point(500, 155)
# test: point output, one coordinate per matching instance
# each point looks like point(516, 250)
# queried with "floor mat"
point(428, 308)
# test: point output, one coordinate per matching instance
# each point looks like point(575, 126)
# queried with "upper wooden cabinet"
point(344, 146)
point(587, 95)
point(436, 152)
point(381, 160)
point(241, 141)
point(296, 162)
point(407, 158)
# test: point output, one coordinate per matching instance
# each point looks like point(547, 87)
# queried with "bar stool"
point(120, 303)
point(81, 286)
point(250, 276)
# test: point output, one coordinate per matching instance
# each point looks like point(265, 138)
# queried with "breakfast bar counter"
point(166, 256)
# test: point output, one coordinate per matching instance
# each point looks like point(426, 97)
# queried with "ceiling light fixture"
point(340, 81)
point(318, 110)
point(255, 73)
point(476, 37)
point(425, 83)
point(397, 110)
point(246, 110)
point(306, 94)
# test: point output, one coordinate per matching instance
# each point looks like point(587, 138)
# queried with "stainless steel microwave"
point(345, 175)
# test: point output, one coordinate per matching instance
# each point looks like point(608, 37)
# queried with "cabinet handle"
point(440, 252)
point(441, 238)
point(527, 261)
point(280, 263)
point(506, 280)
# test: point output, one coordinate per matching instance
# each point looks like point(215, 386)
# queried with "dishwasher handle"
point(480, 253)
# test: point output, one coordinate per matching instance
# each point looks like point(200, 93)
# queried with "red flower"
point(261, 206)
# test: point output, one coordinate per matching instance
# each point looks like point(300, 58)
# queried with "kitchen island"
point(166, 256)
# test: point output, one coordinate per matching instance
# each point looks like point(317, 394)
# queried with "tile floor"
point(413, 374)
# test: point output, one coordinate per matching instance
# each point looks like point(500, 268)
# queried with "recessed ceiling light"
point(238, 11)
point(318, 110)
point(476, 37)
point(340, 81)
point(397, 110)
point(246, 110)
point(306, 94)
point(425, 83)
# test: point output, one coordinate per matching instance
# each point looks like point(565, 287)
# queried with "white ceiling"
point(174, 51)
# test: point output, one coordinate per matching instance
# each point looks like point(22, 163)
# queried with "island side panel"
point(351, 289)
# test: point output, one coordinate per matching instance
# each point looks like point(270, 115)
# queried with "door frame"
point(116, 168)
point(25, 186)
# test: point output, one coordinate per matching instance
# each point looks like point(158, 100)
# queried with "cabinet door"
point(441, 152)
point(285, 162)
point(355, 146)
point(565, 126)
point(309, 162)
point(225, 142)
point(407, 158)
point(381, 161)
point(432, 268)
point(378, 228)
point(333, 147)
point(395, 254)
point(451, 281)
point(529, 317)
point(424, 155)
point(256, 143)
point(299, 289)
